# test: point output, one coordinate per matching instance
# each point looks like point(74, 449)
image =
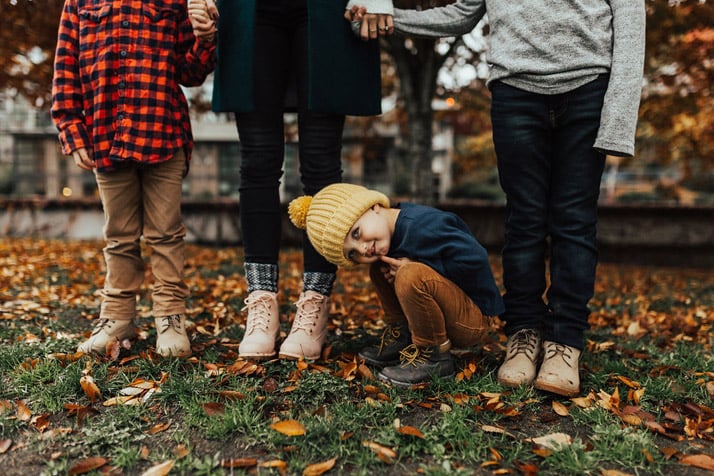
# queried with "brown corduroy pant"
point(143, 200)
point(434, 307)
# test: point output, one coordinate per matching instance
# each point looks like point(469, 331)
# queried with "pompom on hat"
point(330, 214)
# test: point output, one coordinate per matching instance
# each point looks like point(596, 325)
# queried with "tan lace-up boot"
point(519, 365)
point(171, 337)
point(261, 327)
point(105, 332)
point(559, 372)
point(309, 328)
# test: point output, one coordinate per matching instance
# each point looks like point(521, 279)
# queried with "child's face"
point(369, 237)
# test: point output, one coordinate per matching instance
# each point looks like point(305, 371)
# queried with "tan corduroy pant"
point(143, 200)
point(434, 307)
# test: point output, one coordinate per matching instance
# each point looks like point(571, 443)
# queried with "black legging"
point(280, 54)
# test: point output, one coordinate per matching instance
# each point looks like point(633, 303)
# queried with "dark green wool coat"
point(344, 71)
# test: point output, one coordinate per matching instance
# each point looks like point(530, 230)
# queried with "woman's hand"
point(203, 15)
point(369, 26)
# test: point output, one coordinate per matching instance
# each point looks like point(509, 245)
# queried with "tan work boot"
point(309, 328)
point(171, 337)
point(519, 365)
point(105, 332)
point(261, 327)
point(559, 372)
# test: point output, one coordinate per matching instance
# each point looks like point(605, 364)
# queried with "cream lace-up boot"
point(519, 365)
point(559, 372)
point(105, 332)
point(309, 328)
point(261, 327)
point(171, 337)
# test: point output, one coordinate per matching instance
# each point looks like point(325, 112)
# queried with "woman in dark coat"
point(276, 56)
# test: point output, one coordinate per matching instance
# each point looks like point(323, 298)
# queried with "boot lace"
point(308, 313)
point(523, 342)
point(554, 350)
point(171, 322)
point(101, 324)
point(390, 335)
point(413, 355)
point(259, 313)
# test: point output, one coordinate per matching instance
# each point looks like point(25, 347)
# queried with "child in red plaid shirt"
point(120, 112)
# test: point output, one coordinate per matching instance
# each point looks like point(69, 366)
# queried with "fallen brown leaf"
point(5, 445)
point(280, 465)
point(90, 388)
point(239, 463)
point(699, 461)
point(22, 412)
point(86, 465)
point(289, 427)
point(411, 431)
point(158, 428)
point(385, 454)
point(319, 468)
point(560, 409)
point(161, 469)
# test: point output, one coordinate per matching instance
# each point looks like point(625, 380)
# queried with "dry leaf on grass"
point(239, 463)
point(5, 445)
point(698, 461)
point(553, 441)
point(289, 427)
point(560, 409)
point(86, 465)
point(319, 468)
point(90, 388)
point(411, 431)
point(22, 412)
point(161, 469)
point(385, 454)
point(279, 465)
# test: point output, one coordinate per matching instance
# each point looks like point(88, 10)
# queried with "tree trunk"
point(418, 65)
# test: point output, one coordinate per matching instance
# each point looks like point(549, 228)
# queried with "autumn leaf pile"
point(47, 283)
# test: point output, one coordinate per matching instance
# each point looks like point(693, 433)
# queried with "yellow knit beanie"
point(330, 214)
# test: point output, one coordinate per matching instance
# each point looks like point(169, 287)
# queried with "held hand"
point(82, 159)
point(202, 21)
point(367, 25)
point(212, 10)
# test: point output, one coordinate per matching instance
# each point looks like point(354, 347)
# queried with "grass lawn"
point(645, 407)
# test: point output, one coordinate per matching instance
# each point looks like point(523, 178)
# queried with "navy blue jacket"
point(444, 242)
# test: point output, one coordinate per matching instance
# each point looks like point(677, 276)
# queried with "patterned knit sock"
point(318, 282)
point(261, 276)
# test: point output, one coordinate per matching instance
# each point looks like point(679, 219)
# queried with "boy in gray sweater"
point(565, 79)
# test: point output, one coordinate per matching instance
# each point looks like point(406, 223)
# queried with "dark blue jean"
point(551, 175)
point(280, 57)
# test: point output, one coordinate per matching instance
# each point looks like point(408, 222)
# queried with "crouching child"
point(432, 276)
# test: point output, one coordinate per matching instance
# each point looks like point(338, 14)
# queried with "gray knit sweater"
point(552, 46)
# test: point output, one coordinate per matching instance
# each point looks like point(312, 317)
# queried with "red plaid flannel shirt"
point(118, 69)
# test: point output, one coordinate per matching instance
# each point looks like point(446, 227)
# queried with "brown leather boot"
point(519, 365)
point(309, 328)
point(262, 326)
point(105, 332)
point(171, 337)
point(559, 372)
point(419, 365)
point(394, 339)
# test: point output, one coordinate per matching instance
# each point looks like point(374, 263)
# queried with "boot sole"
point(546, 387)
point(514, 383)
point(256, 356)
point(378, 363)
point(400, 384)
point(298, 356)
